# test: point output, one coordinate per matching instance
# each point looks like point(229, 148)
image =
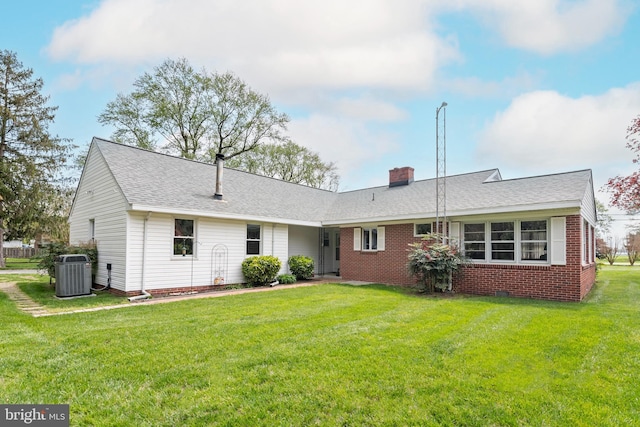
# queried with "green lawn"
point(21, 264)
point(336, 355)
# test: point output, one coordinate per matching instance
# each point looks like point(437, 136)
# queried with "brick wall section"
point(388, 266)
point(570, 282)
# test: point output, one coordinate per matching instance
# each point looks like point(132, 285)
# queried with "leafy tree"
point(625, 190)
point(31, 159)
point(242, 118)
point(197, 115)
point(291, 162)
point(603, 226)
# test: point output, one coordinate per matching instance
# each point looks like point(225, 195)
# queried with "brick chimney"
point(400, 176)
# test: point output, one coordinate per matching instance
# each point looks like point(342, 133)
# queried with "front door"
point(330, 242)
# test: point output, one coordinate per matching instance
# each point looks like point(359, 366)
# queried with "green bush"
point(432, 263)
point(301, 266)
point(55, 249)
point(286, 279)
point(260, 270)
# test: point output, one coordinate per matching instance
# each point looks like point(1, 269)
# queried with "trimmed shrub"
point(260, 270)
point(286, 279)
point(301, 266)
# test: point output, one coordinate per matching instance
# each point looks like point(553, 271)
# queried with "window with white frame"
point(474, 245)
point(502, 241)
point(533, 240)
point(369, 239)
point(420, 229)
point(183, 236)
point(253, 239)
point(517, 241)
point(587, 245)
point(92, 230)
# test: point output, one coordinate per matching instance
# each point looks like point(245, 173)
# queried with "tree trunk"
point(2, 261)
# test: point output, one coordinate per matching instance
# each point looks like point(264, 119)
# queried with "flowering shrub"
point(432, 263)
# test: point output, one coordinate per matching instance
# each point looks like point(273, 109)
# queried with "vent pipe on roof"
point(220, 169)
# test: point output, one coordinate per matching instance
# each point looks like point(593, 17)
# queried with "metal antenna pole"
point(441, 171)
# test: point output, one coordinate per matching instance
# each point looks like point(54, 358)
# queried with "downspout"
point(273, 239)
point(144, 294)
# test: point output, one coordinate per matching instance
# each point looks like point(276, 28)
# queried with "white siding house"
point(128, 201)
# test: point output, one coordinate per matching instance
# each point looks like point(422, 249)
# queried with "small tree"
point(433, 263)
point(632, 246)
point(610, 250)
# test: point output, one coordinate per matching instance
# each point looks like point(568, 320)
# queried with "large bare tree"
point(196, 115)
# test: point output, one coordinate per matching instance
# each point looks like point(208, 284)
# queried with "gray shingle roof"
point(152, 180)
point(467, 194)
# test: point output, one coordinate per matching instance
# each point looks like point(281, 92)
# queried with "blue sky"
point(533, 87)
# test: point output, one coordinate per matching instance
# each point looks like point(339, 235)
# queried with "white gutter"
point(145, 294)
point(470, 212)
point(231, 216)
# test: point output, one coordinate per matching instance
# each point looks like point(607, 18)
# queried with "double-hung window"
point(502, 241)
point(474, 245)
point(533, 240)
point(183, 237)
point(253, 239)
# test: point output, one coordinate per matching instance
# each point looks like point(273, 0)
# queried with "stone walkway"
point(22, 300)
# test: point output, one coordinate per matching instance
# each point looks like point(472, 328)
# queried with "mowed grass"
point(41, 291)
point(21, 264)
point(336, 355)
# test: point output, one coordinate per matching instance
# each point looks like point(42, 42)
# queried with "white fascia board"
point(469, 212)
point(237, 217)
point(519, 208)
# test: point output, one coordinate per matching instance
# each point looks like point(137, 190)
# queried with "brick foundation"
point(168, 291)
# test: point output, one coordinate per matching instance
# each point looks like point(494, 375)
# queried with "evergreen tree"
point(32, 195)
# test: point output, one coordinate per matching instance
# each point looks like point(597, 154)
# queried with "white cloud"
point(544, 131)
point(475, 87)
point(350, 145)
point(551, 26)
point(368, 108)
point(276, 43)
